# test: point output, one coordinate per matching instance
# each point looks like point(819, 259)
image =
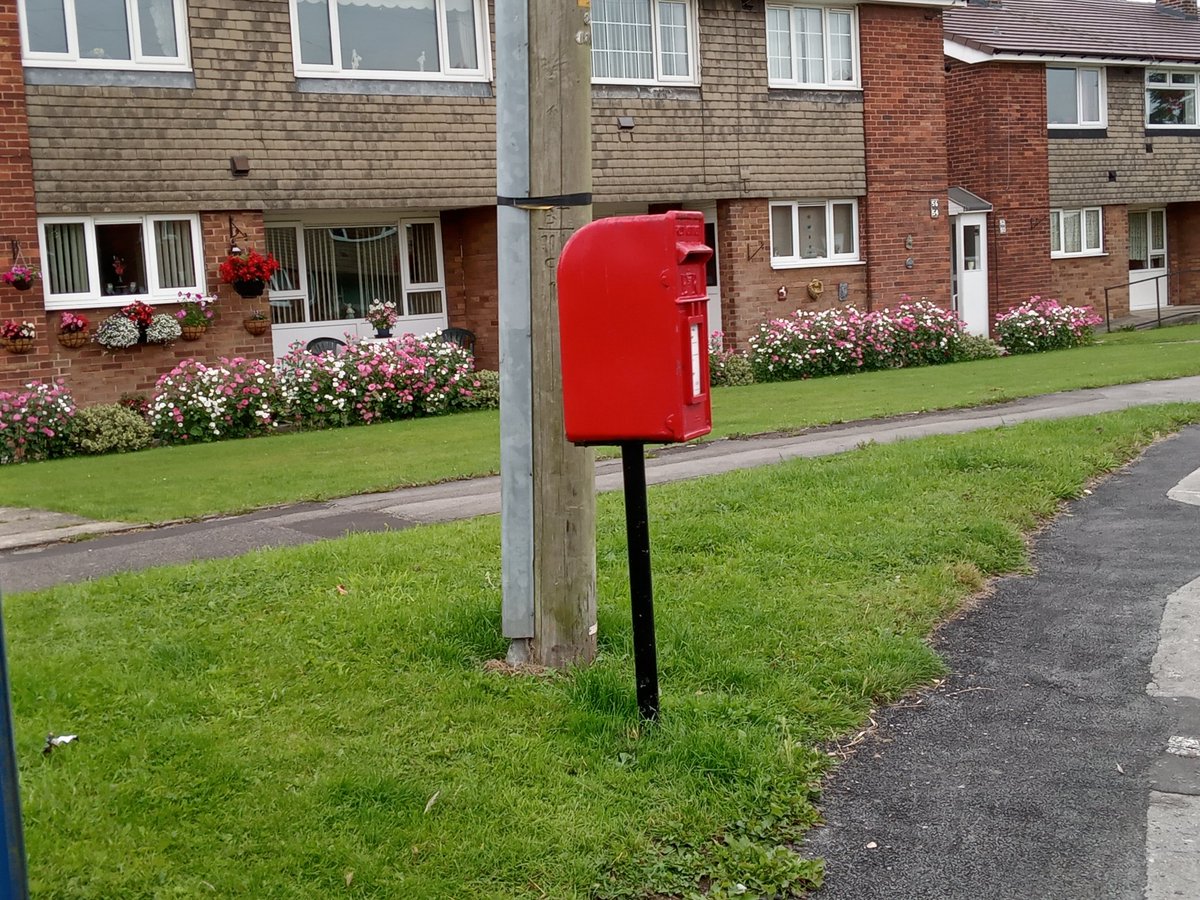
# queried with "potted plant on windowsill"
point(18, 336)
point(194, 315)
point(382, 317)
point(21, 277)
point(72, 331)
point(248, 272)
point(257, 322)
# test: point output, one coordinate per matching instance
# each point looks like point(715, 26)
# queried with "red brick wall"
point(472, 284)
point(996, 134)
point(749, 286)
point(904, 123)
point(1080, 281)
point(1183, 251)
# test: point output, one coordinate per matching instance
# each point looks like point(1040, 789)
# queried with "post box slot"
point(692, 253)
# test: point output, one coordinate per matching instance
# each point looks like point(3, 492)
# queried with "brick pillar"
point(904, 128)
point(1183, 7)
point(18, 216)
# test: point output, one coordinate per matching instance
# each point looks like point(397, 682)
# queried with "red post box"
point(633, 319)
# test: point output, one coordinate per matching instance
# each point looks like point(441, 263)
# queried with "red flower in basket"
point(141, 314)
point(248, 266)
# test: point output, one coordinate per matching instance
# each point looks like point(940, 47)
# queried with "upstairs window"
point(413, 39)
point(1076, 232)
point(108, 34)
point(811, 46)
point(810, 234)
point(1075, 97)
point(1170, 98)
point(643, 41)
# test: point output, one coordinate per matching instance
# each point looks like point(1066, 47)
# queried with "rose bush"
point(36, 423)
point(1042, 324)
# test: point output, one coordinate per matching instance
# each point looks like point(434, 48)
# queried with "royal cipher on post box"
point(633, 318)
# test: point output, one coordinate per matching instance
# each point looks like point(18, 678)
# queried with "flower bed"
point(35, 423)
point(842, 341)
point(1041, 324)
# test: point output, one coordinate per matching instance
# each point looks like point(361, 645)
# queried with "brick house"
point(355, 140)
point(1074, 124)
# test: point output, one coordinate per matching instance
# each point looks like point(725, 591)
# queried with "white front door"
point(969, 272)
point(1147, 258)
point(714, 267)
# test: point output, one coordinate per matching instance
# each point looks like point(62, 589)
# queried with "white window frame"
point(1084, 249)
point(340, 68)
point(74, 60)
point(693, 75)
point(93, 298)
point(301, 292)
point(1079, 123)
point(794, 82)
point(795, 261)
point(1170, 85)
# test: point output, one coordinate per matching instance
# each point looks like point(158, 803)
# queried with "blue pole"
point(13, 882)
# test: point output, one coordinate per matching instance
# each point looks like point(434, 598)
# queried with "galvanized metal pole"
point(516, 347)
point(13, 881)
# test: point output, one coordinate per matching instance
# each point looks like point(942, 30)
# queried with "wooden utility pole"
point(550, 585)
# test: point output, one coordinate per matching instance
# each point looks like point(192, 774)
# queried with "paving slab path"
point(37, 564)
point(1059, 759)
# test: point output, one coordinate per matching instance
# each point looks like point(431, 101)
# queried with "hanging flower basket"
point(18, 336)
point(73, 340)
point(21, 277)
point(192, 332)
point(250, 289)
point(256, 326)
point(20, 345)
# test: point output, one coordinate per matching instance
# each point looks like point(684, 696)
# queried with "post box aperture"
point(633, 319)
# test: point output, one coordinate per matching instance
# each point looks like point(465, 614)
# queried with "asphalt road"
point(1032, 772)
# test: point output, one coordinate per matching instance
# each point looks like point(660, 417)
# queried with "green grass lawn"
point(183, 482)
point(317, 722)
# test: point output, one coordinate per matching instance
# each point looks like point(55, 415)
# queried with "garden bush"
point(484, 392)
point(109, 428)
point(36, 423)
point(973, 346)
point(1041, 324)
point(842, 341)
point(727, 368)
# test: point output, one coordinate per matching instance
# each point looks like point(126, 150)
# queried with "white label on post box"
point(695, 359)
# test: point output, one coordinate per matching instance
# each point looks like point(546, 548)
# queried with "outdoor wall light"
point(782, 292)
point(234, 234)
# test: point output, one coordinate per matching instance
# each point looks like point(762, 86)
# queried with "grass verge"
point(318, 722)
point(235, 476)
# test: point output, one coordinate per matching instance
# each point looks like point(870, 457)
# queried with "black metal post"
point(13, 881)
point(1158, 299)
point(1107, 315)
point(641, 589)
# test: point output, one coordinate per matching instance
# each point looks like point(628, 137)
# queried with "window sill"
point(1172, 131)
point(38, 75)
point(1074, 133)
point(1092, 255)
point(817, 264)
point(310, 84)
point(114, 302)
point(648, 91)
point(815, 94)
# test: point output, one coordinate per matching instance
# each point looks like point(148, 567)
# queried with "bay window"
point(93, 261)
point(1076, 232)
point(1170, 97)
point(643, 41)
point(811, 46)
point(109, 34)
point(1075, 97)
point(417, 39)
point(329, 274)
point(806, 234)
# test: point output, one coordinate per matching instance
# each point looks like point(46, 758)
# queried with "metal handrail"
point(1157, 293)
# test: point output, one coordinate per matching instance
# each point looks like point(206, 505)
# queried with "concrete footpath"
point(32, 563)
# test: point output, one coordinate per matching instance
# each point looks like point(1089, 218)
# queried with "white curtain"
point(173, 243)
point(66, 258)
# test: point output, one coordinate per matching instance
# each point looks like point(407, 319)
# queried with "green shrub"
point(973, 346)
point(109, 428)
point(734, 370)
point(485, 392)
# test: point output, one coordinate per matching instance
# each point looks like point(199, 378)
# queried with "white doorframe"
point(714, 271)
point(970, 276)
point(1148, 258)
